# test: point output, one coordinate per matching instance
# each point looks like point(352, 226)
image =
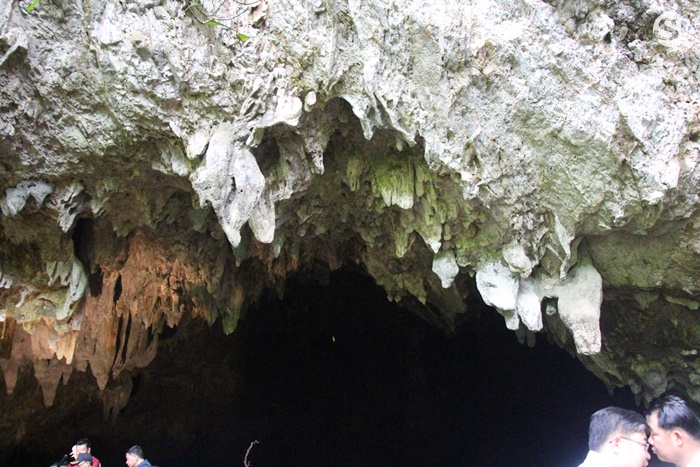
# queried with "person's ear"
point(615, 443)
point(677, 438)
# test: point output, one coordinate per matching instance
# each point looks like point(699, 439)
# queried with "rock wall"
point(162, 157)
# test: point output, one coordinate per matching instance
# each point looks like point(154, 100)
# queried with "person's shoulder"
point(593, 459)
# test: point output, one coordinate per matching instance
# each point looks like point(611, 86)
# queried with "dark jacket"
point(144, 463)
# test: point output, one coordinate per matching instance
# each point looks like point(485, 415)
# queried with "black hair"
point(136, 451)
point(611, 420)
point(674, 412)
point(83, 442)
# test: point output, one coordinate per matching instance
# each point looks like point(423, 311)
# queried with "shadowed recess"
point(330, 375)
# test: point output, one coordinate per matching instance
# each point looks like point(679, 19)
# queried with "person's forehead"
point(653, 423)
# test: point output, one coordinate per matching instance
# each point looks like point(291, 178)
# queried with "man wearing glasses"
point(675, 431)
point(617, 438)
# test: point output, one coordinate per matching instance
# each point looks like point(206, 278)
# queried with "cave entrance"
point(335, 375)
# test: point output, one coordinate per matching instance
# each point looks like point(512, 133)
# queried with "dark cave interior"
point(330, 375)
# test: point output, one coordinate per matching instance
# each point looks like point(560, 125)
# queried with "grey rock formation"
point(155, 163)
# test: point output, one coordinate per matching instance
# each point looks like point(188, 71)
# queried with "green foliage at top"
point(32, 5)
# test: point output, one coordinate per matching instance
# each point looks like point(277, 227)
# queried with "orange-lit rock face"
point(144, 285)
point(138, 286)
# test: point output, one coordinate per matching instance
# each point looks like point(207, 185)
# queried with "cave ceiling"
point(162, 158)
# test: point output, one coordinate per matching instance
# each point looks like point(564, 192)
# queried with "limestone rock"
point(156, 166)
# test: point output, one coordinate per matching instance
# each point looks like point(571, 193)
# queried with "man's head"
point(83, 445)
point(620, 436)
point(134, 456)
point(675, 430)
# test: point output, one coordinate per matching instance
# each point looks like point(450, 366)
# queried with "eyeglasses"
point(645, 444)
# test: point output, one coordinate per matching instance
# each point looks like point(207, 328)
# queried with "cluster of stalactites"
point(116, 331)
point(578, 297)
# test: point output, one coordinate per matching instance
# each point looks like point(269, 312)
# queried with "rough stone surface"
point(155, 164)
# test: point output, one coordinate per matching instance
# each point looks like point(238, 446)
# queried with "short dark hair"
point(136, 451)
point(674, 412)
point(610, 420)
point(83, 442)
